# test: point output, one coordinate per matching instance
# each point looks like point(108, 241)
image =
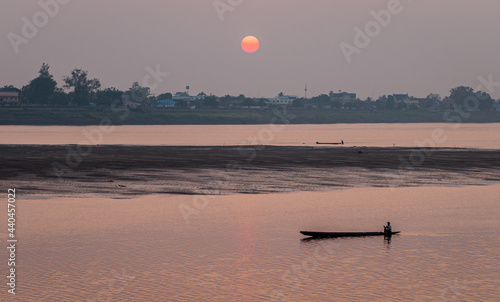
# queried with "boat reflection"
point(387, 239)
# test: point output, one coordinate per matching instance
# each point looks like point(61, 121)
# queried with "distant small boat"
point(345, 234)
point(341, 143)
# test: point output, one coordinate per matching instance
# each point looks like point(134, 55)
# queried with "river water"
point(379, 135)
point(248, 247)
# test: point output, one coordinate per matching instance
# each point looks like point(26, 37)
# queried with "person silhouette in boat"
point(388, 229)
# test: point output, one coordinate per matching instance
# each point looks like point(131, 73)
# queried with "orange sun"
point(250, 44)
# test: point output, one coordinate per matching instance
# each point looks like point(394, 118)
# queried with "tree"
point(211, 101)
point(181, 104)
point(390, 104)
point(370, 103)
point(108, 96)
point(137, 93)
point(402, 106)
point(298, 103)
point(248, 102)
point(10, 88)
point(262, 102)
point(321, 100)
point(40, 89)
point(59, 98)
point(460, 94)
point(413, 107)
point(349, 105)
point(337, 104)
point(380, 102)
point(226, 101)
point(486, 102)
point(360, 105)
point(432, 102)
point(467, 99)
point(82, 86)
point(164, 96)
point(434, 96)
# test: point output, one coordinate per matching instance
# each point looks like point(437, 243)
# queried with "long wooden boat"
point(345, 234)
point(318, 143)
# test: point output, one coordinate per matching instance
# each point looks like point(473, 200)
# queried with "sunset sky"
point(428, 47)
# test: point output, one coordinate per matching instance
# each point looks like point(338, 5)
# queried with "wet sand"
point(119, 171)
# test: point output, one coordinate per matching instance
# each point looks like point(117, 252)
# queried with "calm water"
point(453, 135)
point(248, 247)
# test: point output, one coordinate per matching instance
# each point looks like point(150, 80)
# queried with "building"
point(342, 97)
point(398, 98)
point(282, 100)
point(9, 97)
point(184, 96)
point(166, 104)
point(420, 102)
point(181, 96)
point(197, 98)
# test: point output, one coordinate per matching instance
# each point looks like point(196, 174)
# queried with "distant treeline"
point(81, 91)
point(121, 116)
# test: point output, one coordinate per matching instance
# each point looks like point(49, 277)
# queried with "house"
point(342, 97)
point(180, 96)
point(9, 97)
point(403, 98)
point(420, 102)
point(184, 96)
point(197, 98)
point(282, 100)
point(166, 104)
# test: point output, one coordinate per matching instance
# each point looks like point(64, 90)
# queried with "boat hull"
point(318, 143)
point(345, 234)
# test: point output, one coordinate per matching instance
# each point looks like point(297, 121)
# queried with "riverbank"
point(83, 116)
point(59, 170)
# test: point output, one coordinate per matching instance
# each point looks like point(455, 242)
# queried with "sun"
point(250, 44)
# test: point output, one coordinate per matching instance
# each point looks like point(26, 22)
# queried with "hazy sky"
point(429, 46)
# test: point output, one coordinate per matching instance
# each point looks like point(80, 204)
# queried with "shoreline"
point(85, 117)
point(70, 170)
